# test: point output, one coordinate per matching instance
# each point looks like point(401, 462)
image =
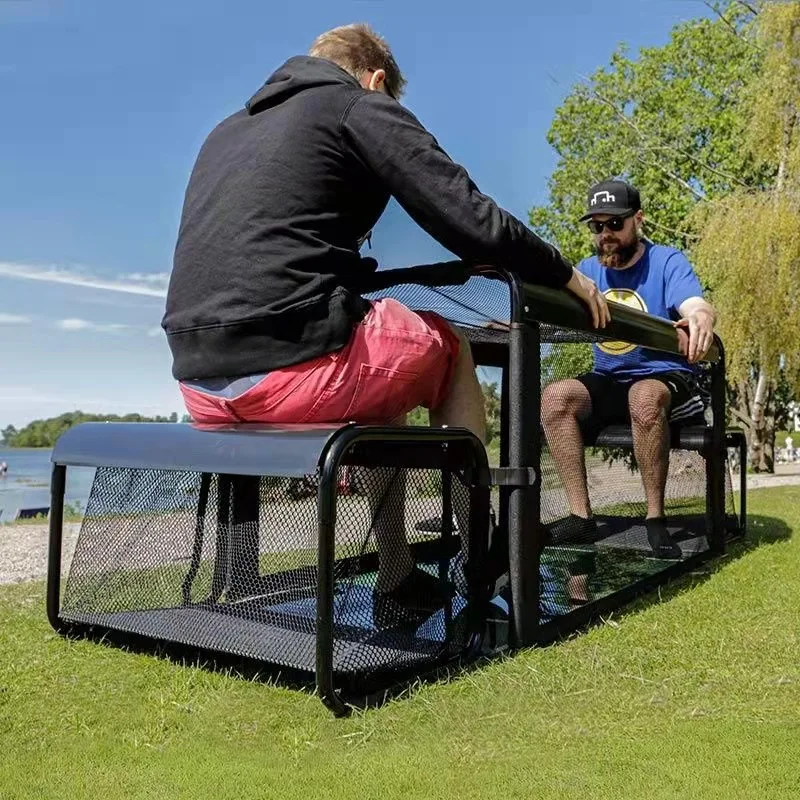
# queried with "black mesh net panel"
point(481, 306)
point(588, 565)
point(229, 564)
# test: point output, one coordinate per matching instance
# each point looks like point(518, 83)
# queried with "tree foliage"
point(769, 103)
point(566, 361)
point(749, 240)
point(748, 250)
point(667, 121)
point(749, 255)
point(45, 432)
point(491, 399)
point(7, 434)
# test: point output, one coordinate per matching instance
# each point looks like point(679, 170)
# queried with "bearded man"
point(647, 389)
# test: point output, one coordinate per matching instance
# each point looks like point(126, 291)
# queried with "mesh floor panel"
point(180, 558)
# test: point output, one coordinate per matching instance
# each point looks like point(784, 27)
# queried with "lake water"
point(27, 482)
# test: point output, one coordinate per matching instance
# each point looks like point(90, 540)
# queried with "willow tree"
point(749, 246)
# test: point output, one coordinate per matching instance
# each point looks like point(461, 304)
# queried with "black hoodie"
point(267, 264)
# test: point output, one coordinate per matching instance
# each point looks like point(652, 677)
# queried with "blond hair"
point(358, 49)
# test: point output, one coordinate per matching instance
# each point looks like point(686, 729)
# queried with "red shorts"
point(396, 360)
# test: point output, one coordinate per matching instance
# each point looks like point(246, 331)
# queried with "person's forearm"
point(695, 305)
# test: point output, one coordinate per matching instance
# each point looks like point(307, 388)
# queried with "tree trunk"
point(768, 457)
point(761, 443)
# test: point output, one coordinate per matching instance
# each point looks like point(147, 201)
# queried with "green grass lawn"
point(691, 694)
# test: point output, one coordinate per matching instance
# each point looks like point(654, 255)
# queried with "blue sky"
point(105, 104)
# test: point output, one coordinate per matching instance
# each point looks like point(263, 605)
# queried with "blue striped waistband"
point(229, 388)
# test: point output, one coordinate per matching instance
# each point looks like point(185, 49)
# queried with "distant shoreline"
point(28, 447)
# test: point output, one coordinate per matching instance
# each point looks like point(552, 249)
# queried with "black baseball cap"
point(612, 197)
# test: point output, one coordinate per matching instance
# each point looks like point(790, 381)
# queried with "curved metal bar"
point(544, 304)
point(57, 487)
point(240, 449)
point(326, 522)
point(717, 456)
point(331, 457)
point(561, 308)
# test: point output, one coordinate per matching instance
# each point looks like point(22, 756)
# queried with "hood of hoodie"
point(296, 75)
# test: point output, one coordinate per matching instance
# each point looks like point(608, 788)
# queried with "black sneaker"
point(571, 530)
point(660, 541)
point(417, 597)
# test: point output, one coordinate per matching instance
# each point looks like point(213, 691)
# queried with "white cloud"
point(14, 319)
point(155, 331)
point(25, 394)
point(152, 284)
point(159, 279)
point(86, 325)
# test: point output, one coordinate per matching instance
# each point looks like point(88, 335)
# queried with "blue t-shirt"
point(660, 281)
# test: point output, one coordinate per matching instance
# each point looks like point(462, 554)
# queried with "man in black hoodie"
point(264, 317)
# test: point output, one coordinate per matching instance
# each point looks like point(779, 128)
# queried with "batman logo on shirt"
point(628, 298)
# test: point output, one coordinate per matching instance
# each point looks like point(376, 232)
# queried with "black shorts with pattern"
point(609, 398)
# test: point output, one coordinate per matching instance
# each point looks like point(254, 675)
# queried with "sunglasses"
point(613, 224)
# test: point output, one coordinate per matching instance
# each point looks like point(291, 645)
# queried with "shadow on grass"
point(761, 530)
point(651, 590)
point(654, 590)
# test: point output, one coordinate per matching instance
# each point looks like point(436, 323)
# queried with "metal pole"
point(326, 545)
point(524, 502)
point(57, 485)
point(716, 458)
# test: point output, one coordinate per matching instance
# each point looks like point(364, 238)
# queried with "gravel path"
point(23, 548)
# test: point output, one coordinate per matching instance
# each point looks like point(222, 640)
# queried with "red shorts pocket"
point(381, 395)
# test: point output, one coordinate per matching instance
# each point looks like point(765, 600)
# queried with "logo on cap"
point(606, 197)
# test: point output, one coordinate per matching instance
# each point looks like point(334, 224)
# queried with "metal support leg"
point(716, 458)
point(244, 549)
point(447, 540)
point(524, 534)
point(220, 578)
point(57, 486)
point(197, 547)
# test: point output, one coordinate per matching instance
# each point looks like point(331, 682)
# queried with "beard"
point(614, 254)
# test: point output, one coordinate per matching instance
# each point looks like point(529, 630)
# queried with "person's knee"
point(462, 392)
point(464, 347)
point(465, 376)
point(648, 403)
point(564, 400)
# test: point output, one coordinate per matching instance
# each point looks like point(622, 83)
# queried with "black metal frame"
point(543, 305)
point(517, 353)
point(343, 450)
point(735, 438)
point(451, 450)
